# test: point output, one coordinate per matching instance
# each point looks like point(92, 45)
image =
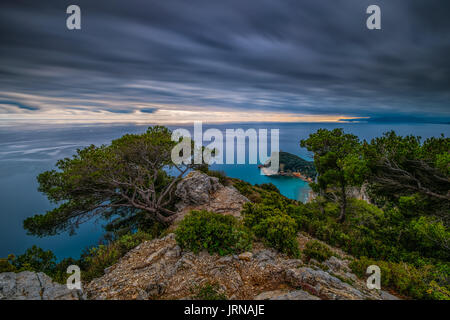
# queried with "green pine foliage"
point(214, 232)
point(316, 250)
point(427, 282)
point(279, 232)
point(95, 260)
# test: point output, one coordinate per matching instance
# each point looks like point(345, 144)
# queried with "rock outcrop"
point(29, 285)
point(198, 191)
point(159, 269)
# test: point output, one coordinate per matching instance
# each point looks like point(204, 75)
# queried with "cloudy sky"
point(171, 61)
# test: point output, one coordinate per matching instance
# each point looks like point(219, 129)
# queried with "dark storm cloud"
point(18, 105)
point(312, 56)
point(148, 110)
point(123, 111)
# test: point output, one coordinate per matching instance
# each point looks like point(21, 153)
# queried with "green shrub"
point(395, 235)
point(6, 266)
point(269, 223)
point(247, 190)
point(317, 250)
point(268, 187)
point(35, 259)
point(60, 274)
point(209, 291)
point(420, 283)
point(279, 232)
point(430, 235)
point(256, 213)
point(221, 175)
point(129, 241)
point(267, 194)
point(97, 259)
point(217, 233)
point(375, 233)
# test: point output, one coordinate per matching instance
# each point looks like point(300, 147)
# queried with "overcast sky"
point(230, 60)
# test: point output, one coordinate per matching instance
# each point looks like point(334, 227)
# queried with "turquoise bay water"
point(293, 188)
point(25, 151)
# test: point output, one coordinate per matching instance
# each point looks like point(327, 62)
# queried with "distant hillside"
point(290, 163)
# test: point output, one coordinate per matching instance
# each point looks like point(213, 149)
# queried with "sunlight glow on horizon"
point(30, 108)
point(170, 116)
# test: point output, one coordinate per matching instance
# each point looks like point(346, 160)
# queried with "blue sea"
point(27, 150)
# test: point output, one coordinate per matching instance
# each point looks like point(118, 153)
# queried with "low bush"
point(38, 260)
point(247, 190)
point(276, 229)
point(35, 259)
point(256, 213)
point(214, 232)
point(268, 187)
point(95, 260)
point(209, 291)
point(60, 274)
point(6, 266)
point(279, 232)
point(317, 250)
point(221, 175)
point(397, 236)
point(420, 283)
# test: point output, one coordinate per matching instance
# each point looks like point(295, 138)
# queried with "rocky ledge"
point(29, 285)
point(159, 269)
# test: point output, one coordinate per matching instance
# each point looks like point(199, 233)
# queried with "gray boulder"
point(196, 188)
point(29, 285)
point(322, 284)
point(198, 191)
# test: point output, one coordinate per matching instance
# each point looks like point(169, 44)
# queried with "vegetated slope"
point(294, 163)
point(176, 267)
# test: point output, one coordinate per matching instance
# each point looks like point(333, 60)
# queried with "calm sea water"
point(25, 151)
